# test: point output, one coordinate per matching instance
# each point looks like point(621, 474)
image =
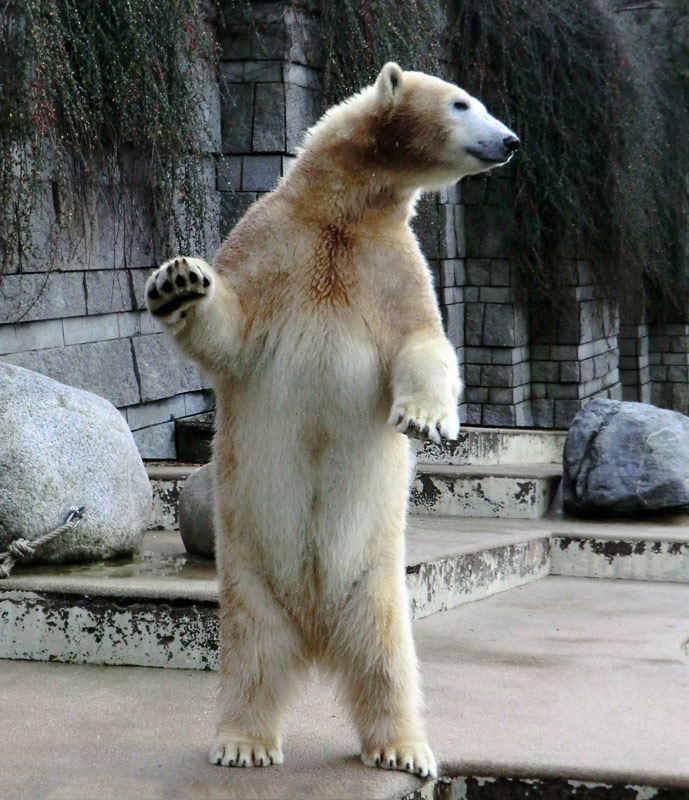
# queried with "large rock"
point(196, 521)
point(626, 459)
point(62, 447)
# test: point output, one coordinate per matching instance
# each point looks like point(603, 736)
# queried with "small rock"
point(626, 459)
point(196, 521)
point(62, 447)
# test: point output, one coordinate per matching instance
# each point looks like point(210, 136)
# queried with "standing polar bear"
point(319, 325)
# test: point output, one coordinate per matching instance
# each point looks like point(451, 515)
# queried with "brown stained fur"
point(332, 275)
point(401, 138)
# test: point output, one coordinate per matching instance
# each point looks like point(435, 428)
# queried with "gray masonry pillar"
point(579, 359)
point(496, 337)
point(669, 366)
point(635, 373)
point(271, 70)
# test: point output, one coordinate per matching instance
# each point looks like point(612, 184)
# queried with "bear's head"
point(426, 131)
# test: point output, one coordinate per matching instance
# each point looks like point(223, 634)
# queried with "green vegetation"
point(97, 98)
point(359, 36)
point(601, 174)
point(602, 121)
point(99, 103)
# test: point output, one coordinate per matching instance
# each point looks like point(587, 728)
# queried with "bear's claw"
point(420, 424)
point(235, 752)
point(415, 758)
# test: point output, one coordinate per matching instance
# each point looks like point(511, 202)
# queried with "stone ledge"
point(515, 492)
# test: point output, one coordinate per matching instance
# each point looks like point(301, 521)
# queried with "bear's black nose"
point(511, 143)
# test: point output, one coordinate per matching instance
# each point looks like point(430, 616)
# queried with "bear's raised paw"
point(178, 285)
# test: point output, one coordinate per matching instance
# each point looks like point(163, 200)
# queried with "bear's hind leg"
point(260, 661)
point(374, 652)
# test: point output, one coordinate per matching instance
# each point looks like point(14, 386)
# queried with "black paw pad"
point(167, 286)
point(206, 282)
point(180, 281)
point(193, 277)
point(153, 293)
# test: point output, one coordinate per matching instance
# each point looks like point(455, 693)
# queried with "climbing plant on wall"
point(360, 36)
point(602, 121)
point(97, 97)
point(600, 171)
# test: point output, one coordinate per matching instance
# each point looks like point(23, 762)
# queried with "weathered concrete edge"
point(106, 628)
point(499, 787)
point(493, 446)
point(641, 559)
point(470, 576)
point(441, 494)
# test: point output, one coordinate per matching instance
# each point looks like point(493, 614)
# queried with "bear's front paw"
point(430, 421)
point(415, 757)
point(244, 751)
point(178, 285)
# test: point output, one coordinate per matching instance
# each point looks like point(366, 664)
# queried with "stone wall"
point(82, 321)
point(84, 325)
point(271, 95)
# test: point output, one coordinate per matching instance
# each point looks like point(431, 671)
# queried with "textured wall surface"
point(84, 324)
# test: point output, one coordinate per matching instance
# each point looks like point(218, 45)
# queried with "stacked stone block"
point(635, 372)
point(497, 371)
point(496, 338)
point(271, 94)
point(669, 366)
point(89, 330)
point(579, 359)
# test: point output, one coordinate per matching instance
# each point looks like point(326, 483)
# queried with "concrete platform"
point(485, 472)
point(160, 608)
point(579, 679)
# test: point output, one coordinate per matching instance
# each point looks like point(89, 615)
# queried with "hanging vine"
point(600, 171)
point(359, 37)
point(99, 100)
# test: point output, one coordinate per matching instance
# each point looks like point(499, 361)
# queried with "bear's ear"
point(389, 82)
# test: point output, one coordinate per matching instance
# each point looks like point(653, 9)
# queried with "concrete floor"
point(569, 677)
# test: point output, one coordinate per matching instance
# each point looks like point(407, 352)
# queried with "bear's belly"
point(316, 465)
point(318, 374)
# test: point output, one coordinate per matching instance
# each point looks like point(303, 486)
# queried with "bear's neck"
point(340, 189)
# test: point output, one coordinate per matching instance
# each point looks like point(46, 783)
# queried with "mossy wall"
point(560, 277)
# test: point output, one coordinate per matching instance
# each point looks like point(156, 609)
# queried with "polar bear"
point(319, 326)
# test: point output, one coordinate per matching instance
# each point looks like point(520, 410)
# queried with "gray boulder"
point(626, 459)
point(62, 447)
point(196, 522)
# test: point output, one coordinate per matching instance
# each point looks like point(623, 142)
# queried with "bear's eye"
point(460, 105)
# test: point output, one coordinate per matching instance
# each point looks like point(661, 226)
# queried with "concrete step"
point(506, 491)
point(486, 472)
point(160, 609)
point(565, 688)
point(477, 446)
point(510, 491)
point(488, 447)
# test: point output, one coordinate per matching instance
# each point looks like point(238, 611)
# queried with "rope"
point(25, 549)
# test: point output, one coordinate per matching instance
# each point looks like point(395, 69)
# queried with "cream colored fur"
point(319, 324)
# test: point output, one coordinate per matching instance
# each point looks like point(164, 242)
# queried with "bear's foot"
point(178, 285)
point(415, 757)
point(244, 751)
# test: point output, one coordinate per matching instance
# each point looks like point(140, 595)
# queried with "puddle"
point(149, 563)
